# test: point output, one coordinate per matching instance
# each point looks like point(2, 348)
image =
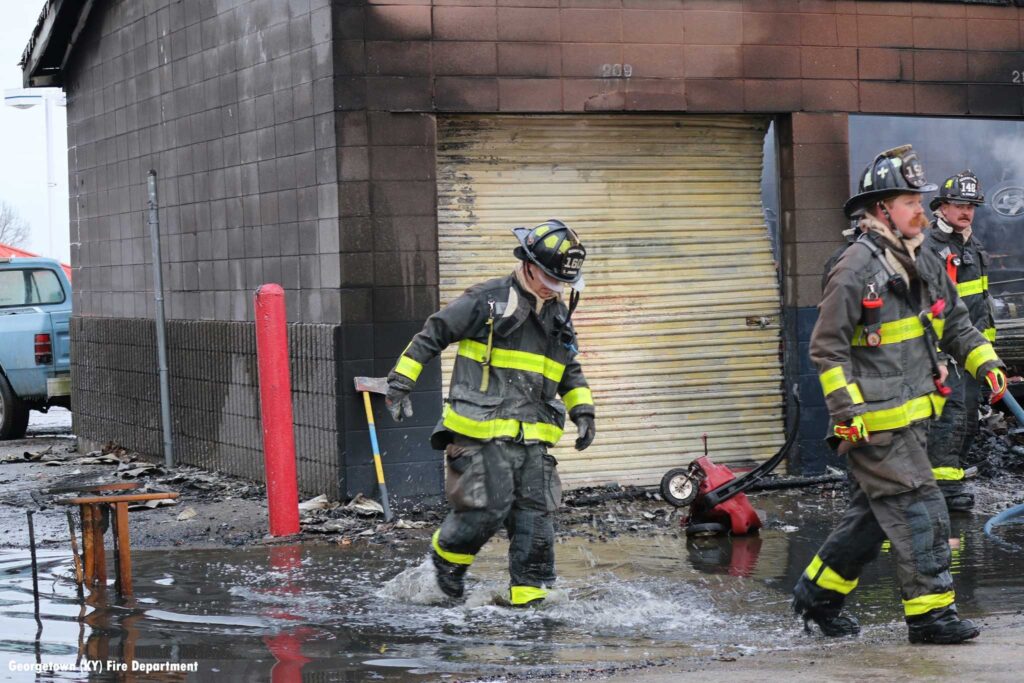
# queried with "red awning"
point(7, 250)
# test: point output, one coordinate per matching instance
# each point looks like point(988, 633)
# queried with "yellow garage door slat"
point(679, 322)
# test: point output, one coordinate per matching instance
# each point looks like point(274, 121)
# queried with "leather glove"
point(397, 402)
point(853, 430)
point(996, 379)
point(587, 431)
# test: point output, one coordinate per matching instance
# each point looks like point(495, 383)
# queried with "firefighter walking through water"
point(952, 239)
point(516, 355)
point(885, 305)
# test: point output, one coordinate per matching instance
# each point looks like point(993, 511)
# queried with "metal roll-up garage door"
point(679, 322)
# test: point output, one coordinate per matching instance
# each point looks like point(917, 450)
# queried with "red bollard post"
point(276, 410)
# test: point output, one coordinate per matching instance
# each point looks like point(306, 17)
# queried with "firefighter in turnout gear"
point(517, 354)
point(885, 306)
point(951, 238)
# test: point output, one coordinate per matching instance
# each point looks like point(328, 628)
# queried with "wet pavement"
point(633, 593)
point(327, 611)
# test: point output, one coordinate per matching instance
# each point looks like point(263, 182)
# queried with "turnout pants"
point(894, 497)
point(950, 437)
point(490, 484)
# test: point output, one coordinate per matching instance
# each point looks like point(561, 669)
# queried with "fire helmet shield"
point(913, 171)
point(969, 187)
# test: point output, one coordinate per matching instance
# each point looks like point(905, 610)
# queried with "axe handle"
point(376, 458)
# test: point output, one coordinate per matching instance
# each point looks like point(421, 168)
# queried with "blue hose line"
point(1010, 402)
point(1002, 518)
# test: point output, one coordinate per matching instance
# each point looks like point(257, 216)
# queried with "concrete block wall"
point(389, 285)
point(813, 165)
point(232, 105)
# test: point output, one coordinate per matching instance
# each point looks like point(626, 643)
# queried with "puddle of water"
point(279, 613)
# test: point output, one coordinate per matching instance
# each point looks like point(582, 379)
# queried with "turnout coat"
point(516, 373)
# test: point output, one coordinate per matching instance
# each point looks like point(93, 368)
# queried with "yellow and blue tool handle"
point(376, 458)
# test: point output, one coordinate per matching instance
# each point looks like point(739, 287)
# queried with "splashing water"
point(373, 612)
point(416, 585)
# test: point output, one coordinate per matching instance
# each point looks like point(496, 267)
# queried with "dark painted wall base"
point(814, 454)
point(214, 394)
point(412, 469)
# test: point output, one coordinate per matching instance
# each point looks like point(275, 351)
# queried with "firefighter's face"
point(907, 213)
point(544, 287)
point(960, 215)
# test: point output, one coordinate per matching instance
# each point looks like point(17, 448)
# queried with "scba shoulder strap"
point(893, 280)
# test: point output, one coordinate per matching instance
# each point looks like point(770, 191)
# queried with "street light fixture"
point(26, 98)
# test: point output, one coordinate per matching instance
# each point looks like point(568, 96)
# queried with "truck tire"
point(13, 413)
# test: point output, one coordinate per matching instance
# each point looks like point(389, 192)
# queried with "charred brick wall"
point(295, 142)
point(811, 62)
point(215, 412)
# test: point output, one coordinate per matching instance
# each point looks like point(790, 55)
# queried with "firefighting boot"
point(450, 576)
point(957, 498)
point(829, 615)
point(941, 626)
point(956, 495)
point(960, 502)
point(526, 596)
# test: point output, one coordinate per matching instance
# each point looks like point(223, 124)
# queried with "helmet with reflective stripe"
point(963, 187)
point(893, 172)
point(553, 247)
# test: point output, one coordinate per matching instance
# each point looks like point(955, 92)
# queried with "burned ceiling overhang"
point(52, 41)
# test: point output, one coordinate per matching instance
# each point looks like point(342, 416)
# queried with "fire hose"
point(1017, 510)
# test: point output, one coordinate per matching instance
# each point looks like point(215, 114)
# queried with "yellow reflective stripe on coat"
point(454, 558)
point(990, 333)
point(513, 360)
point(832, 379)
point(521, 595)
point(920, 408)
point(972, 287)
point(926, 603)
point(898, 331)
point(541, 431)
point(826, 577)
point(577, 397)
point(409, 367)
point(978, 357)
point(948, 473)
point(485, 430)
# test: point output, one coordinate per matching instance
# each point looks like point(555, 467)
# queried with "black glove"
point(397, 401)
point(587, 431)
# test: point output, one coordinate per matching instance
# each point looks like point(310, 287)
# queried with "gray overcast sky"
point(22, 139)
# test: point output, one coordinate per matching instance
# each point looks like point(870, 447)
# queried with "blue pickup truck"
point(35, 346)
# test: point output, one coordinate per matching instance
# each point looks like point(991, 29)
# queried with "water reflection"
point(286, 612)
